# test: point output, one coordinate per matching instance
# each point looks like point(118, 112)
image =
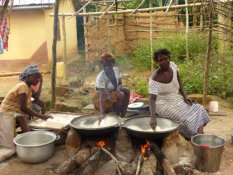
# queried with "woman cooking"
point(18, 100)
point(164, 99)
point(110, 96)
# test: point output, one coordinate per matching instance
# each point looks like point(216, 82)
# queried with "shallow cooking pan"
point(139, 127)
point(88, 124)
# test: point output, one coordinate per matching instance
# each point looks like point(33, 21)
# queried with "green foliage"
point(48, 105)
point(135, 4)
point(142, 87)
point(220, 79)
point(122, 61)
point(176, 44)
point(192, 75)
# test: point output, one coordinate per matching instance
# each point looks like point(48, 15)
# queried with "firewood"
point(75, 161)
point(139, 164)
point(167, 167)
point(66, 167)
point(113, 158)
point(92, 164)
point(128, 169)
point(158, 152)
point(149, 166)
point(82, 156)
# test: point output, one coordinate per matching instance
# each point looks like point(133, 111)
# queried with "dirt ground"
point(219, 125)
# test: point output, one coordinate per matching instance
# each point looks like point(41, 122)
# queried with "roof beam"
point(131, 10)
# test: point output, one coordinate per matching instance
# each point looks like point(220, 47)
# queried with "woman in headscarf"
point(18, 100)
point(110, 96)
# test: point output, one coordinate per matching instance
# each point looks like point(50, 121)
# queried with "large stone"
point(124, 150)
point(73, 142)
point(178, 150)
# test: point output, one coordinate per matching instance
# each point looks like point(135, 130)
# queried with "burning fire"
point(144, 148)
point(101, 143)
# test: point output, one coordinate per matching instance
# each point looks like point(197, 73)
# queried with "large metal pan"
point(88, 124)
point(139, 127)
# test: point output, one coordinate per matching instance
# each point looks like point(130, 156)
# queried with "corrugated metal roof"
point(31, 2)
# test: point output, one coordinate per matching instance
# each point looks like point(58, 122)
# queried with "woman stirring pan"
point(164, 86)
point(18, 100)
point(110, 96)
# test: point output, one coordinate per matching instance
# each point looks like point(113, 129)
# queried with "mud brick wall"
point(127, 31)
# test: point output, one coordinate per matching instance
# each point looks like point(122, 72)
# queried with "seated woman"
point(18, 100)
point(164, 99)
point(110, 96)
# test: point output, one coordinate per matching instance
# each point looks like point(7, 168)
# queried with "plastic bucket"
point(214, 106)
point(60, 70)
point(208, 150)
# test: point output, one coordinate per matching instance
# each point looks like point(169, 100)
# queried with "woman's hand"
point(45, 117)
point(153, 123)
point(102, 116)
point(189, 101)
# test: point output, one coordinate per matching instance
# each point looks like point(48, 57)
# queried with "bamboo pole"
point(108, 8)
point(170, 3)
point(83, 7)
point(131, 10)
point(135, 10)
point(108, 33)
point(85, 36)
point(3, 11)
point(205, 87)
point(54, 50)
point(151, 39)
point(187, 31)
point(64, 47)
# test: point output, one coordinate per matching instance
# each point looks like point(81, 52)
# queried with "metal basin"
point(209, 149)
point(35, 146)
point(88, 124)
point(139, 127)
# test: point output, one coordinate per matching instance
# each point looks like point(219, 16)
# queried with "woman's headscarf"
point(32, 69)
point(107, 57)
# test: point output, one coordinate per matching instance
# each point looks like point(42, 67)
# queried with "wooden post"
point(187, 30)
point(54, 50)
point(64, 46)
point(205, 87)
point(151, 38)
point(225, 30)
point(85, 35)
point(108, 32)
point(3, 11)
point(201, 19)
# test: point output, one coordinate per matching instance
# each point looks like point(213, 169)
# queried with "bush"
point(142, 87)
point(176, 44)
point(220, 78)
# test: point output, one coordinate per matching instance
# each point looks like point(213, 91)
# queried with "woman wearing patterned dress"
point(164, 99)
point(110, 96)
point(17, 102)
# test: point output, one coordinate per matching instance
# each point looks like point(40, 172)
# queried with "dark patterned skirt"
point(110, 99)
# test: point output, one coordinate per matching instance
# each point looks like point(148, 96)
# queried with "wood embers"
point(120, 154)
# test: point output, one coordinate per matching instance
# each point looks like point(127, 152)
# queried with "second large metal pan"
point(88, 124)
point(140, 127)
